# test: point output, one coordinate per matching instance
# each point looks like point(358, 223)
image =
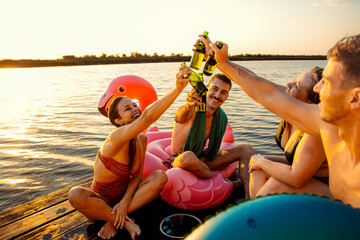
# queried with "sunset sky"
point(49, 29)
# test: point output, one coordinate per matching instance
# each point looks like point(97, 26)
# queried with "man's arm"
point(183, 114)
point(304, 116)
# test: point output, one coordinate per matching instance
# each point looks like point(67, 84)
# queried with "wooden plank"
point(88, 231)
point(59, 220)
point(39, 204)
point(35, 220)
point(57, 227)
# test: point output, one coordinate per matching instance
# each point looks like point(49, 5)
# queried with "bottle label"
point(201, 108)
point(196, 60)
point(211, 63)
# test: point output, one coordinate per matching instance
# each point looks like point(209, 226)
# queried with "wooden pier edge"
point(46, 217)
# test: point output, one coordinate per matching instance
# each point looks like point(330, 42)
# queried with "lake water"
point(50, 128)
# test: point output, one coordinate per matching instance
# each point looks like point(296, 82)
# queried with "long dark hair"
point(113, 114)
point(316, 77)
point(311, 95)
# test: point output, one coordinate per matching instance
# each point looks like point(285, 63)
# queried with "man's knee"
point(247, 148)
point(185, 159)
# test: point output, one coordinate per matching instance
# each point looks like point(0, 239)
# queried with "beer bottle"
point(211, 63)
point(199, 52)
point(197, 82)
point(201, 89)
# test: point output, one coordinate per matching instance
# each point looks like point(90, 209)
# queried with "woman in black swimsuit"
point(303, 166)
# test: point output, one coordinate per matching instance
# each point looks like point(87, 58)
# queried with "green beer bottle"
point(197, 82)
point(211, 63)
point(199, 52)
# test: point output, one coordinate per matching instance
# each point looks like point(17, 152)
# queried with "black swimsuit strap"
point(280, 132)
point(291, 147)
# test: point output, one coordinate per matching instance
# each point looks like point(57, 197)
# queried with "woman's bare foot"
point(107, 231)
point(133, 229)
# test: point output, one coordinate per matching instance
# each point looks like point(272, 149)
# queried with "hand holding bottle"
point(211, 63)
point(207, 42)
point(198, 54)
point(193, 99)
point(197, 82)
point(221, 55)
point(182, 77)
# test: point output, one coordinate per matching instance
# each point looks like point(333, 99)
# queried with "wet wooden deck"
point(47, 217)
point(53, 217)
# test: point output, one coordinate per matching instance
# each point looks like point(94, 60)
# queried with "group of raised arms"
point(319, 133)
point(320, 140)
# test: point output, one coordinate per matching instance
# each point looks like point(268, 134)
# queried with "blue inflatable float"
point(287, 216)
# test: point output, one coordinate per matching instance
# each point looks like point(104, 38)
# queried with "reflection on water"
point(50, 129)
point(12, 181)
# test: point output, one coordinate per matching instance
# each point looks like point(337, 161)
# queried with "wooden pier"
point(47, 217)
point(53, 217)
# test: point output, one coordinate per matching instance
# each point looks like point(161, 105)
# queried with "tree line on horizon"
point(136, 57)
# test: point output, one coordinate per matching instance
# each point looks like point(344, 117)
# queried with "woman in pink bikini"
point(118, 187)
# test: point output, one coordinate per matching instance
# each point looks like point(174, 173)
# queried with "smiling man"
point(336, 119)
point(189, 130)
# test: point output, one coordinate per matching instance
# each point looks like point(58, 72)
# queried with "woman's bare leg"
point(275, 158)
point(257, 180)
point(93, 206)
point(258, 177)
point(89, 203)
point(313, 186)
point(149, 189)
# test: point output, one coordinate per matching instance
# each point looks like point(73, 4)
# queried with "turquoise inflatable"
point(287, 216)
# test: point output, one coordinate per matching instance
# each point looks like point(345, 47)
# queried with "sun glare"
point(13, 181)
